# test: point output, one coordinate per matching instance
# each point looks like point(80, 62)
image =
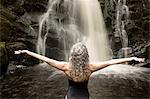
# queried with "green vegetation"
point(2, 44)
point(3, 58)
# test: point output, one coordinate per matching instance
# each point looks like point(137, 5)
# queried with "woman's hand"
point(138, 59)
point(20, 51)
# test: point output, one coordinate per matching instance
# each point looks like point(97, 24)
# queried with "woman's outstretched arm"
point(52, 62)
point(97, 66)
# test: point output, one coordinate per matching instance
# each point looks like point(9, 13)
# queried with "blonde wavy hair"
point(79, 59)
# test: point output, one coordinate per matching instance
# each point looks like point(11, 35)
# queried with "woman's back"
point(77, 75)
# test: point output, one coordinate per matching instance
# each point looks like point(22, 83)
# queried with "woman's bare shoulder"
point(67, 66)
point(91, 67)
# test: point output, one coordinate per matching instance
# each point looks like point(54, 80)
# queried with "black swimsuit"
point(78, 90)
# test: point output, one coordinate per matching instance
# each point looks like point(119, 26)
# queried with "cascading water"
point(52, 20)
point(89, 19)
point(43, 24)
point(122, 16)
point(85, 24)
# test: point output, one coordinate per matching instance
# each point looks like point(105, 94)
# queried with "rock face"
point(16, 33)
point(19, 27)
point(137, 27)
point(42, 81)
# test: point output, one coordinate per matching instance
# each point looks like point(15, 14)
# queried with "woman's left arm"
point(97, 66)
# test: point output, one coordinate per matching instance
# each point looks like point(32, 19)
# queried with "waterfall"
point(89, 18)
point(41, 47)
point(122, 17)
point(45, 22)
point(84, 24)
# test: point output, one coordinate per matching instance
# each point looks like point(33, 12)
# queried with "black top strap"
point(78, 84)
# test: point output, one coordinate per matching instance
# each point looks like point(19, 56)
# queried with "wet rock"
point(124, 52)
point(137, 28)
point(22, 6)
point(18, 33)
point(148, 52)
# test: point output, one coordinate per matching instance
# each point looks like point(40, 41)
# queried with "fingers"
point(139, 59)
point(142, 60)
point(18, 52)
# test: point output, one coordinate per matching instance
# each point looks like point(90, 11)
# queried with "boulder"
point(120, 81)
point(41, 81)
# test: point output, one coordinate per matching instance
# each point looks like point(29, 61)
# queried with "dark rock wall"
point(137, 29)
point(19, 26)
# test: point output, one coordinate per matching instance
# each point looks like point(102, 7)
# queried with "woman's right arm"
point(54, 63)
point(97, 66)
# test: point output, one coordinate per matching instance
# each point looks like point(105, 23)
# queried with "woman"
point(78, 69)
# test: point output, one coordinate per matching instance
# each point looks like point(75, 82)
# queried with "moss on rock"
point(3, 59)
